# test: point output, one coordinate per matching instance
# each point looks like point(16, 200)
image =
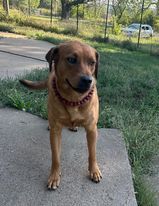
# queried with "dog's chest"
point(76, 117)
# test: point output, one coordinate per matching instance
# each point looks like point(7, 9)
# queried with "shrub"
point(129, 45)
point(6, 28)
point(100, 39)
point(116, 28)
point(126, 44)
point(45, 12)
point(156, 25)
point(2, 15)
point(70, 30)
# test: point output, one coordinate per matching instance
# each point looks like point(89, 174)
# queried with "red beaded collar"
point(71, 103)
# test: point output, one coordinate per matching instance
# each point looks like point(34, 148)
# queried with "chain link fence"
point(93, 29)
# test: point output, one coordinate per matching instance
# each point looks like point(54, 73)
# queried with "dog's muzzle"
point(83, 85)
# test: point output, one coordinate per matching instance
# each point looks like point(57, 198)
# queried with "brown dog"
point(72, 100)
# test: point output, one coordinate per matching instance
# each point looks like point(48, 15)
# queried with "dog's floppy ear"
point(52, 56)
point(97, 64)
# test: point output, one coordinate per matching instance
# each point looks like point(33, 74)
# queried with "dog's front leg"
point(55, 141)
point(94, 170)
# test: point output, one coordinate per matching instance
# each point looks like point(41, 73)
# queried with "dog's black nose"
point(84, 83)
point(86, 80)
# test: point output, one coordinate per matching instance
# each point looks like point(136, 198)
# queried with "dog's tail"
point(34, 85)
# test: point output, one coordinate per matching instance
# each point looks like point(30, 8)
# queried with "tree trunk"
point(6, 6)
point(65, 14)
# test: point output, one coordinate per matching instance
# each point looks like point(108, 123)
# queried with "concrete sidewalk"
point(13, 50)
point(25, 163)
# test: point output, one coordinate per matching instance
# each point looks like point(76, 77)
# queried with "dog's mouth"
point(81, 88)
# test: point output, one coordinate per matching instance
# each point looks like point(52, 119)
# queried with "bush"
point(45, 12)
point(148, 17)
point(15, 16)
point(6, 28)
point(155, 52)
point(70, 30)
point(80, 11)
point(116, 28)
point(100, 39)
point(2, 15)
point(126, 44)
point(129, 45)
point(156, 25)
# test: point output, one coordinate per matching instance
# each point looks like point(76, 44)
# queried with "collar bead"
point(71, 103)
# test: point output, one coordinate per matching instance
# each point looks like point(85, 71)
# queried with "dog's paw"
point(95, 174)
point(73, 129)
point(54, 180)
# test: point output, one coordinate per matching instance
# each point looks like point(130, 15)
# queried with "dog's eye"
point(72, 60)
point(92, 63)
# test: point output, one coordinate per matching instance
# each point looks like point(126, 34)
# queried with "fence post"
point(106, 20)
point(51, 12)
point(29, 7)
point(77, 16)
point(139, 35)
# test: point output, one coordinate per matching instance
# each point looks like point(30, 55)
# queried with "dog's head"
point(76, 65)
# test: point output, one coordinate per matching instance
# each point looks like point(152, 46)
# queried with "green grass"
point(144, 196)
point(128, 88)
point(14, 95)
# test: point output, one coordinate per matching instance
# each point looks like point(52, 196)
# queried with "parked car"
point(133, 30)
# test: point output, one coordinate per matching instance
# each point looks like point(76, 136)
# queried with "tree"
point(118, 8)
point(24, 4)
point(66, 6)
point(45, 4)
point(34, 3)
point(6, 6)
